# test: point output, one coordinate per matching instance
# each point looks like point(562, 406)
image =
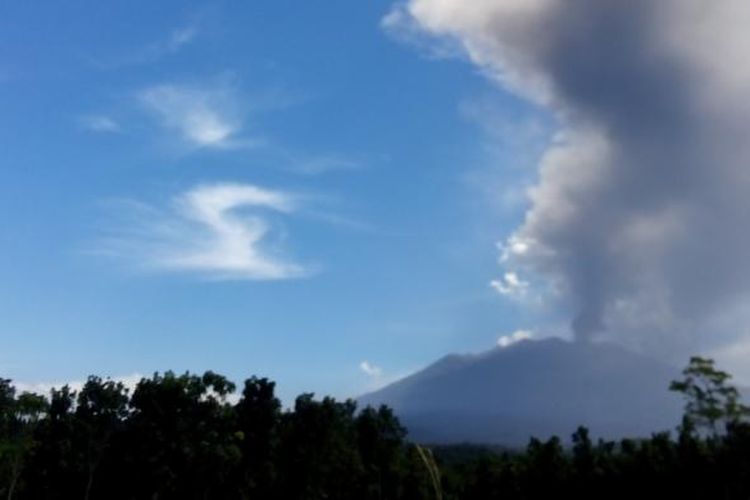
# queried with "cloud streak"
point(638, 215)
point(99, 123)
point(171, 43)
point(220, 231)
point(203, 117)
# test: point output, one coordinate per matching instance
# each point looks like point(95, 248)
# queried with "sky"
point(334, 194)
point(275, 188)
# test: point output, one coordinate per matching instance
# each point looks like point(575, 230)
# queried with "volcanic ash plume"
point(640, 217)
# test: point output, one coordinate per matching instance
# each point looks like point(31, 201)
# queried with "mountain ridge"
point(535, 387)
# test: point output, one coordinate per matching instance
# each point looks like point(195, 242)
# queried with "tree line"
point(180, 437)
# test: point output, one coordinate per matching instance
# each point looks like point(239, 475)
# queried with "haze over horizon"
point(336, 195)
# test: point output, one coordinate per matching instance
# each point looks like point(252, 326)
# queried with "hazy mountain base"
point(535, 388)
point(510, 432)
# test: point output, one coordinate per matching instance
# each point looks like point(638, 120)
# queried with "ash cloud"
point(639, 218)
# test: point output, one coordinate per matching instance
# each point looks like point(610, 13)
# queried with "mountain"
point(535, 388)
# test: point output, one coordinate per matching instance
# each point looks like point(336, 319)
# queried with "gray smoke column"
point(640, 219)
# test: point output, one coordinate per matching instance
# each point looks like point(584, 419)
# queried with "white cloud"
point(129, 381)
point(514, 246)
point(517, 336)
point(208, 231)
point(376, 376)
point(44, 388)
point(510, 285)
point(99, 123)
point(402, 26)
point(204, 117)
point(370, 369)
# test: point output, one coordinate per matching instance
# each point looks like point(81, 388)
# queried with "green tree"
point(709, 399)
point(380, 441)
point(258, 416)
point(20, 417)
point(320, 457)
point(182, 441)
point(54, 472)
point(102, 407)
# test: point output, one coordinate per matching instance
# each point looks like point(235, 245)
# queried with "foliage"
point(709, 399)
point(185, 437)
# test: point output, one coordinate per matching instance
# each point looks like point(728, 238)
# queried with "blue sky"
point(272, 187)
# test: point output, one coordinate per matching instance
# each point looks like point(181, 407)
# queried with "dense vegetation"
point(178, 437)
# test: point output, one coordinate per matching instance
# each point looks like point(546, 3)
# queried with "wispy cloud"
point(510, 285)
point(401, 25)
point(510, 145)
point(180, 37)
point(370, 370)
point(99, 123)
point(376, 376)
point(169, 44)
point(217, 231)
point(323, 164)
point(44, 388)
point(204, 117)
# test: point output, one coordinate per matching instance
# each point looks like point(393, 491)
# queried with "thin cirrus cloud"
point(324, 164)
point(173, 43)
point(180, 37)
point(169, 44)
point(202, 117)
point(99, 123)
point(221, 231)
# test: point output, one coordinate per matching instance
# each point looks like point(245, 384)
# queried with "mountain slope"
point(538, 388)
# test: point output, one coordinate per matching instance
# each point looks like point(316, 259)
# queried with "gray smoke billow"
point(640, 219)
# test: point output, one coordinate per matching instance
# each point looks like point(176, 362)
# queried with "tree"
point(20, 417)
point(258, 416)
point(319, 456)
point(380, 442)
point(102, 406)
point(184, 441)
point(709, 399)
point(55, 471)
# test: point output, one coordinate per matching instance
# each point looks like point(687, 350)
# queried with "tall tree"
point(184, 442)
point(21, 416)
point(258, 416)
point(709, 399)
point(55, 471)
point(102, 407)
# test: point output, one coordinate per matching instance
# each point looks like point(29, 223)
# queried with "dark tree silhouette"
point(182, 437)
point(709, 399)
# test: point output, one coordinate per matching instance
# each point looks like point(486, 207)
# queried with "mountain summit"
point(535, 388)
